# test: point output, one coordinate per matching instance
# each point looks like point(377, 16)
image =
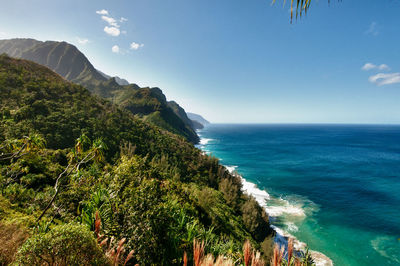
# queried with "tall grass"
point(114, 251)
point(251, 257)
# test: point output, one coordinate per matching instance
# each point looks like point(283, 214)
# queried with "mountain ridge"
point(119, 80)
point(66, 60)
point(198, 118)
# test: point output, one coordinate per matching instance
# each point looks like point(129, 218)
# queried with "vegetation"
point(249, 257)
point(69, 159)
point(67, 244)
point(12, 237)
point(66, 60)
point(152, 106)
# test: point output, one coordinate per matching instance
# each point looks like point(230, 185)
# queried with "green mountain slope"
point(180, 112)
point(72, 159)
point(63, 58)
point(36, 100)
point(152, 106)
point(66, 60)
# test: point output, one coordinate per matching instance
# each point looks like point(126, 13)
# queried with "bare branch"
point(9, 156)
point(67, 172)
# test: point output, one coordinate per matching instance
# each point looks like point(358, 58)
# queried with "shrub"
point(255, 219)
point(144, 221)
point(68, 244)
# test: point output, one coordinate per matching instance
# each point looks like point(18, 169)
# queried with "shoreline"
point(262, 197)
point(281, 238)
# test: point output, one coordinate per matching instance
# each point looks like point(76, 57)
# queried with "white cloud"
point(110, 21)
point(102, 12)
point(135, 46)
point(384, 67)
point(113, 27)
point(115, 49)
point(385, 78)
point(370, 66)
point(113, 31)
point(373, 29)
point(82, 41)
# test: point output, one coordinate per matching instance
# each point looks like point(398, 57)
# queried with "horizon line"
point(303, 123)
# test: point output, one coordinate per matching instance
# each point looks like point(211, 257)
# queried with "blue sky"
point(233, 60)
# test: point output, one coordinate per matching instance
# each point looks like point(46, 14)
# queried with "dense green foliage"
point(66, 60)
point(151, 104)
point(34, 99)
point(67, 155)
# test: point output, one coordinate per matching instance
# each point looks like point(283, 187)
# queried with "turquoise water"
point(335, 187)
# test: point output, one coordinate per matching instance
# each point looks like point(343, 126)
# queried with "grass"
point(251, 257)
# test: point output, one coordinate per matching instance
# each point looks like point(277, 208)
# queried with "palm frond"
point(302, 6)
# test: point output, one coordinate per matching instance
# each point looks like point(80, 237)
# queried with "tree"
point(13, 151)
point(78, 157)
point(16, 148)
point(255, 219)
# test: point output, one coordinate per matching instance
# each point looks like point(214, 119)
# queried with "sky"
point(236, 61)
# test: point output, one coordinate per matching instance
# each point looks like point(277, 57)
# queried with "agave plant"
point(98, 205)
point(34, 141)
point(98, 148)
point(81, 142)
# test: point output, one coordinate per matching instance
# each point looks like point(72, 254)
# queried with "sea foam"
point(204, 141)
point(284, 208)
point(262, 197)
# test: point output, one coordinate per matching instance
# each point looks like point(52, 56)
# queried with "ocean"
point(334, 187)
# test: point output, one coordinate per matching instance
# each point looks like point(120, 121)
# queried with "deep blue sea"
point(334, 187)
